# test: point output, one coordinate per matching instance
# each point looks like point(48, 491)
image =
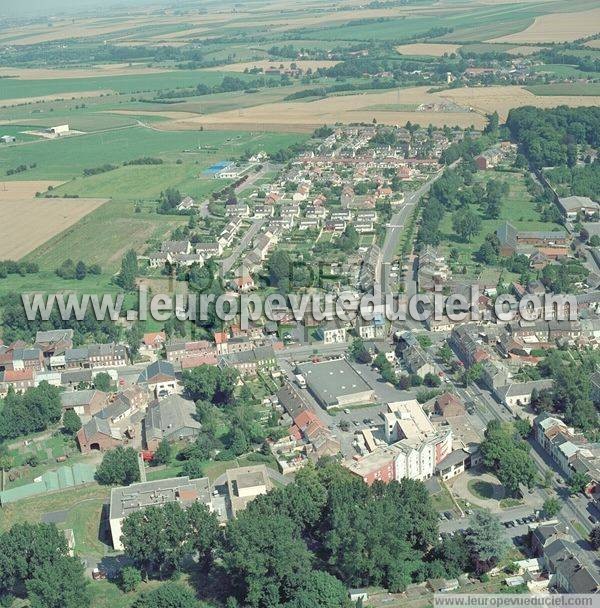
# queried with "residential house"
point(449, 406)
point(160, 378)
point(54, 341)
point(332, 332)
point(84, 403)
point(170, 419)
point(370, 330)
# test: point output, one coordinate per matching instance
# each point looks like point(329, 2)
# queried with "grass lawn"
point(32, 509)
point(211, 468)
point(518, 208)
point(442, 501)
point(481, 489)
point(509, 503)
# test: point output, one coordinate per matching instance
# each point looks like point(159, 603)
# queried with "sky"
point(28, 8)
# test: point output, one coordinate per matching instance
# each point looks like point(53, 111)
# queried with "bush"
point(130, 579)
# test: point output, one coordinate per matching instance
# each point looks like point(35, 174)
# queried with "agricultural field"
point(557, 27)
point(66, 158)
point(423, 48)
point(562, 89)
point(15, 90)
point(35, 220)
point(102, 237)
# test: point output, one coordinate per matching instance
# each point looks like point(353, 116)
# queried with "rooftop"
point(137, 496)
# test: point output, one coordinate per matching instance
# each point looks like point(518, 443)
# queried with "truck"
point(300, 380)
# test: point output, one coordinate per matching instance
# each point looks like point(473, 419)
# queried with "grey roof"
point(76, 376)
point(572, 203)
point(54, 335)
point(97, 425)
point(27, 354)
point(525, 388)
point(76, 354)
point(455, 457)
point(114, 410)
point(157, 368)
point(137, 496)
point(329, 380)
point(169, 416)
point(78, 398)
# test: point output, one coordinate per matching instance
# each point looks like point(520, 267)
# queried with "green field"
point(143, 182)
point(565, 88)
point(63, 159)
point(562, 71)
point(14, 88)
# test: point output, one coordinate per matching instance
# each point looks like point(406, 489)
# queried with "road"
point(394, 229)
point(228, 263)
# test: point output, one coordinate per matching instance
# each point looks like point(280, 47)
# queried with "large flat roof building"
point(335, 383)
point(244, 484)
point(138, 496)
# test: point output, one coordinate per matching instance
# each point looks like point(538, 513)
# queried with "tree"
point(359, 352)
point(80, 270)
point(320, 590)
point(156, 539)
point(102, 382)
point(265, 557)
point(486, 540)
point(431, 380)
point(71, 422)
point(493, 122)
point(204, 531)
point(445, 353)
point(595, 538)
point(130, 579)
point(210, 383)
point(551, 507)
point(129, 271)
point(118, 467)
point(505, 452)
point(163, 453)
point(30, 412)
point(35, 557)
point(59, 584)
point(134, 339)
point(169, 595)
point(279, 267)
point(466, 224)
point(578, 482)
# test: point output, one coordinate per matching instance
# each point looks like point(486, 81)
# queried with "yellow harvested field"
point(503, 99)
point(303, 64)
point(594, 44)
point(35, 220)
point(5, 103)
point(454, 107)
point(117, 69)
point(304, 116)
point(558, 27)
point(435, 50)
